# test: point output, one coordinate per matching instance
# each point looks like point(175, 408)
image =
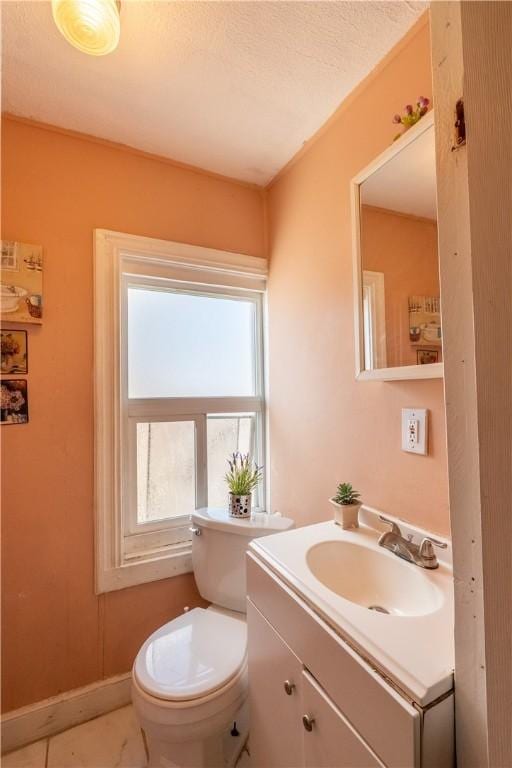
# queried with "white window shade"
point(184, 344)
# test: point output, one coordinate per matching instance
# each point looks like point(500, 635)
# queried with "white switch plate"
point(415, 430)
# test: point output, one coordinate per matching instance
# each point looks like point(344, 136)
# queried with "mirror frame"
point(397, 373)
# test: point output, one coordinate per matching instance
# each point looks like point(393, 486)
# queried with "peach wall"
point(57, 634)
point(325, 426)
point(404, 248)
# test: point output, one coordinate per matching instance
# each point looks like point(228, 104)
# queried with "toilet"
point(189, 679)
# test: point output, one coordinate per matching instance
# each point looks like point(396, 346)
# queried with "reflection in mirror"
point(399, 261)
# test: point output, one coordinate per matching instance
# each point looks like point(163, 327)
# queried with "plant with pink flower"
point(412, 115)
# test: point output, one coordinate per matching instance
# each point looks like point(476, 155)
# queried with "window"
point(179, 386)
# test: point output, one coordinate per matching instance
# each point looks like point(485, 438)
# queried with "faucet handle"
point(394, 527)
point(427, 548)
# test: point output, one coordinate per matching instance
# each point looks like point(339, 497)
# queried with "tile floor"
point(111, 741)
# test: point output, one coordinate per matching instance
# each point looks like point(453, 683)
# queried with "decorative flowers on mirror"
point(412, 115)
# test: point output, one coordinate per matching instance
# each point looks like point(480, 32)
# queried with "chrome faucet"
point(420, 554)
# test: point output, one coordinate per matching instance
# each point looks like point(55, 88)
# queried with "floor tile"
point(111, 741)
point(33, 756)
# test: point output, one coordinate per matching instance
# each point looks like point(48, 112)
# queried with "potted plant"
point(346, 506)
point(242, 478)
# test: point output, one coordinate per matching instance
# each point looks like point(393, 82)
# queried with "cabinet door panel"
point(332, 742)
point(276, 738)
point(393, 728)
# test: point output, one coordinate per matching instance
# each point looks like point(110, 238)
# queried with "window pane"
point(226, 434)
point(165, 470)
point(188, 345)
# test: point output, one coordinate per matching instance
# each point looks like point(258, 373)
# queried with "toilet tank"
point(218, 552)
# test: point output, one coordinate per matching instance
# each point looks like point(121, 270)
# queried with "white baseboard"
point(51, 716)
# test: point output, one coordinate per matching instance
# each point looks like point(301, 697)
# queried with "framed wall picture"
point(21, 288)
point(14, 401)
point(425, 320)
point(14, 351)
point(427, 356)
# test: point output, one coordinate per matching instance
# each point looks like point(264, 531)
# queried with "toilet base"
point(197, 733)
point(221, 750)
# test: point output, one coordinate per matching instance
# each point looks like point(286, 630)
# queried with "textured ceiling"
point(231, 87)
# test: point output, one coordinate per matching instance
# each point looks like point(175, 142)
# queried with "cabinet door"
point(275, 680)
point(329, 739)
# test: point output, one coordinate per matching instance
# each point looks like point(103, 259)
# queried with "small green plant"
point(346, 495)
point(243, 475)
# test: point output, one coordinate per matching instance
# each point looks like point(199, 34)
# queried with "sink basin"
point(373, 579)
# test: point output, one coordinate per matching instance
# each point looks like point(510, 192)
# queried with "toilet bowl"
point(189, 679)
point(189, 684)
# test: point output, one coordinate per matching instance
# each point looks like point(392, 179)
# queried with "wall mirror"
point(396, 265)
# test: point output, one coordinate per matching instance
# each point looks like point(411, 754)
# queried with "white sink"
point(373, 579)
point(341, 574)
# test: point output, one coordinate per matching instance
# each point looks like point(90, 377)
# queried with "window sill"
point(143, 568)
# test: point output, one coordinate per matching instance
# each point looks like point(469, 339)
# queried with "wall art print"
point(21, 289)
point(14, 401)
point(425, 320)
point(427, 356)
point(14, 352)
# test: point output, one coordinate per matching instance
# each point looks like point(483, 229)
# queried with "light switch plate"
point(415, 430)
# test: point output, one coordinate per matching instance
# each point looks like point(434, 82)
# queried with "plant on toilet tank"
point(346, 505)
point(242, 479)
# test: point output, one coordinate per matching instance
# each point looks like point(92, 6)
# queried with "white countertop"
point(415, 652)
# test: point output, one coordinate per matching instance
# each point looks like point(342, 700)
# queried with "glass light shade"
point(92, 26)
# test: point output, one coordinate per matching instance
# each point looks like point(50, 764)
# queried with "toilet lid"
point(193, 655)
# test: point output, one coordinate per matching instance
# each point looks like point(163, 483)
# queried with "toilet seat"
point(194, 711)
point(193, 657)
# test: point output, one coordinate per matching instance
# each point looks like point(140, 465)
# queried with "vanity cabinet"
point(293, 721)
point(316, 703)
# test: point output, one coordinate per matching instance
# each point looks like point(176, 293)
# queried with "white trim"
point(403, 372)
point(396, 147)
point(115, 256)
point(265, 442)
point(374, 281)
point(432, 371)
point(58, 713)
point(471, 58)
point(160, 408)
point(190, 257)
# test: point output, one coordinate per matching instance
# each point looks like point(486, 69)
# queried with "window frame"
point(125, 555)
point(374, 316)
point(132, 527)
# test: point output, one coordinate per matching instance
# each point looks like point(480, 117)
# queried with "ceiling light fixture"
point(92, 26)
